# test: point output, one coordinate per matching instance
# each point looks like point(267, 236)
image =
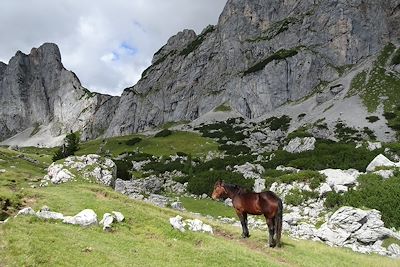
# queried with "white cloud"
point(106, 43)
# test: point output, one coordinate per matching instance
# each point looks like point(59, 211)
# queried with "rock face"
point(37, 90)
point(260, 56)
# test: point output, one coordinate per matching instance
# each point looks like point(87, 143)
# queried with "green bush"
point(163, 133)
point(374, 192)
point(161, 167)
point(221, 130)
point(327, 154)
point(133, 141)
point(275, 123)
point(389, 115)
point(234, 149)
point(333, 200)
point(297, 197)
point(124, 169)
point(301, 133)
point(203, 183)
point(279, 55)
point(396, 58)
point(372, 119)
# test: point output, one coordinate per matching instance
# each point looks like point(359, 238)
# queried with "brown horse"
point(244, 202)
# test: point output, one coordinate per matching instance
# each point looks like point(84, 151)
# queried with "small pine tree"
point(71, 145)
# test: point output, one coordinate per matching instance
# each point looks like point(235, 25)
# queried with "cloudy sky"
point(106, 43)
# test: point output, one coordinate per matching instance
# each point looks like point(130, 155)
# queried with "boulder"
point(177, 206)
point(259, 185)
point(158, 200)
point(107, 221)
point(198, 226)
point(298, 145)
point(394, 249)
point(26, 212)
point(49, 215)
point(374, 145)
point(287, 169)
point(324, 189)
point(118, 216)
point(177, 223)
point(336, 177)
point(381, 161)
point(84, 218)
point(57, 174)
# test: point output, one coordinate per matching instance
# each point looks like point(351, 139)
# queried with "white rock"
point(26, 211)
point(348, 218)
point(198, 226)
point(118, 216)
point(324, 189)
point(177, 223)
point(292, 218)
point(287, 169)
point(334, 236)
point(340, 188)
point(107, 221)
point(50, 215)
point(381, 161)
point(394, 249)
point(259, 185)
point(298, 145)
point(374, 146)
point(84, 218)
point(228, 202)
point(386, 174)
point(340, 177)
point(2, 170)
point(177, 206)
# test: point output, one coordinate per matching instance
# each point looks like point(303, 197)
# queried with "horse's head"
point(219, 191)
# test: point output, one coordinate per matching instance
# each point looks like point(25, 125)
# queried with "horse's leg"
point(243, 220)
point(246, 229)
point(271, 230)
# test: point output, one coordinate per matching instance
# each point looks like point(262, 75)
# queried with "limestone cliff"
point(37, 90)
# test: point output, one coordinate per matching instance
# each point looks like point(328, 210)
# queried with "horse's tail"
point(278, 223)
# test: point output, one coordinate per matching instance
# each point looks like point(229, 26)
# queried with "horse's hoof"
point(272, 245)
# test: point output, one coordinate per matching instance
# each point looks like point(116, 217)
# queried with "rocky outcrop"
point(195, 225)
point(381, 161)
point(298, 145)
point(90, 167)
point(36, 90)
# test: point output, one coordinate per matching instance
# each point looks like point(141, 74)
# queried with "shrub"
point(161, 167)
point(221, 130)
point(372, 119)
point(234, 149)
point(279, 55)
point(396, 58)
point(203, 183)
point(275, 123)
point(123, 169)
point(133, 141)
point(327, 154)
point(333, 200)
point(297, 197)
point(374, 192)
point(301, 133)
point(163, 133)
point(389, 115)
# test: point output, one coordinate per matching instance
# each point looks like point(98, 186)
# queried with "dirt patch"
point(102, 195)
point(29, 201)
point(258, 246)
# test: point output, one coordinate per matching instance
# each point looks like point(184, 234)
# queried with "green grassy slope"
point(147, 239)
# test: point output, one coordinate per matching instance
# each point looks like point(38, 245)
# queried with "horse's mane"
point(235, 187)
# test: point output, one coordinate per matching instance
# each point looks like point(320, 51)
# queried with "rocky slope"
point(37, 92)
point(260, 57)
